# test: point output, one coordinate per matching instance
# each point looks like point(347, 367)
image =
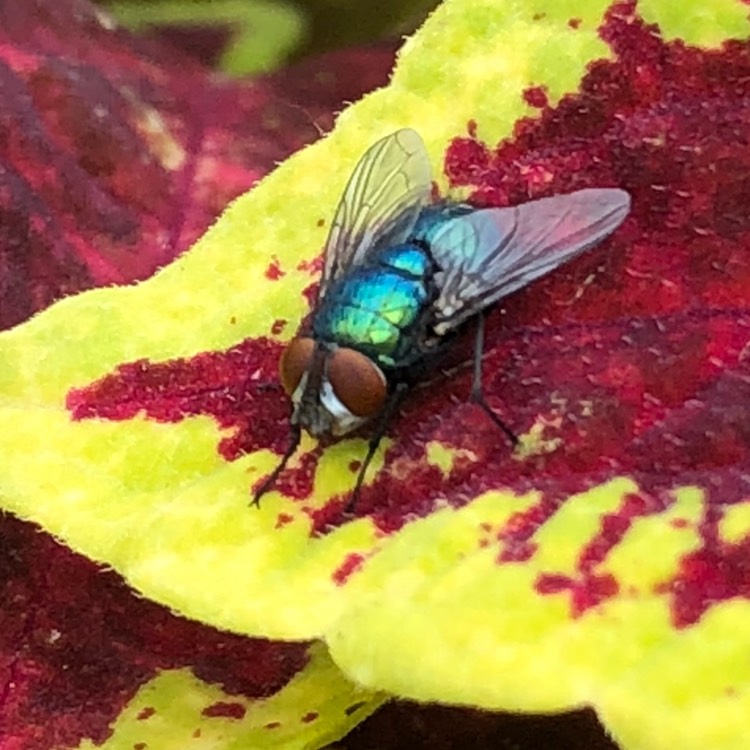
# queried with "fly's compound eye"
point(357, 382)
point(294, 363)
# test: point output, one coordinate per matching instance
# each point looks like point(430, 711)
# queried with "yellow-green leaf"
point(175, 709)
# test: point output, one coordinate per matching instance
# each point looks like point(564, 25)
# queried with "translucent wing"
point(381, 202)
point(490, 253)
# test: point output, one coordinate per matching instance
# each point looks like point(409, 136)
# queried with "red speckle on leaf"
point(613, 528)
point(278, 326)
point(283, 519)
point(515, 535)
point(239, 388)
point(553, 583)
point(584, 594)
point(574, 23)
point(472, 155)
point(313, 266)
point(140, 746)
point(712, 574)
point(145, 713)
point(471, 128)
point(589, 588)
point(352, 564)
point(274, 272)
point(310, 294)
point(272, 725)
point(225, 710)
point(299, 482)
point(536, 96)
point(310, 716)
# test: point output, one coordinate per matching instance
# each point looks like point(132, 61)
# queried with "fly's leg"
point(476, 386)
point(385, 417)
point(270, 480)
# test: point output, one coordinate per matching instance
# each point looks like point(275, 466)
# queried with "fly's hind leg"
point(476, 386)
point(394, 401)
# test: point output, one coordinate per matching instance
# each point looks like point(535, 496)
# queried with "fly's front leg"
point(270, 480)
point(394, 401)
point(476, 387)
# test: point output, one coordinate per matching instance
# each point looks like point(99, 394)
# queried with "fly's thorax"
point(379, 309)
point(411, 259)
point(433, 217)
point(334, 389)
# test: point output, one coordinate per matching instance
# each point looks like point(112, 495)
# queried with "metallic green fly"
point(403, 274)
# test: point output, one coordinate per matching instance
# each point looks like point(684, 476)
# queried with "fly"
point(402, 274)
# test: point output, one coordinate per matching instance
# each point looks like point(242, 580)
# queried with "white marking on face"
point(343, 420)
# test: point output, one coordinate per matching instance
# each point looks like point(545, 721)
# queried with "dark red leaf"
point(75, 645)
point(403, 726)
point(117, 155)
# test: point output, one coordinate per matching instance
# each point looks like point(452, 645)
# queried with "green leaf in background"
point(262, 33)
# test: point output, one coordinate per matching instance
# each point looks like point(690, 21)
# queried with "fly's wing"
point(381, 202)
point(490, 253)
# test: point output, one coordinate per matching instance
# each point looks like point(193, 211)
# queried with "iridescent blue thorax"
point(431, 218)
point(379, 308)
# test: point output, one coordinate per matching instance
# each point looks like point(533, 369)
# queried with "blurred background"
point(252, 36)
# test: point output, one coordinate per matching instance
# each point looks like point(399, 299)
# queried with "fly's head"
point(334, 389)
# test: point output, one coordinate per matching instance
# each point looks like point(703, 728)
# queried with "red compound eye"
point(357, 382)
point(294, 363)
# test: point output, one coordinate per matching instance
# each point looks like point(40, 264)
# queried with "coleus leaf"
point(603, 563)
point(115, 156)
